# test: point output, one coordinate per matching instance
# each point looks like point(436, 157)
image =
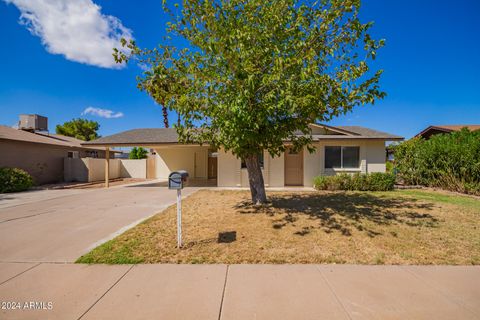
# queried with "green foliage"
point(448, 161)
point(14, 180)
point(376, 181)
point(82, 129)
point(138, 153)
point(389, 166)
point(253, 74)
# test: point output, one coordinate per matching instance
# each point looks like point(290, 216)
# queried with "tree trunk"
point(255, 178)
point(165, 116)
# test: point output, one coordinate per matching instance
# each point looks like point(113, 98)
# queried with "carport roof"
point(159, 136)
point(137, 137)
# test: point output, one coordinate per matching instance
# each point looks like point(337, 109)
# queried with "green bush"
point(377, 181)
point(449, 161)
point(389, 167)
point(138, 153)
point(14, 180)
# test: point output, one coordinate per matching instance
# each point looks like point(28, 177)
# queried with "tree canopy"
point(256, 73)
point(138, 153)
point(82, 129)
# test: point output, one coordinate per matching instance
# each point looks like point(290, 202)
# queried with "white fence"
point(92, 169)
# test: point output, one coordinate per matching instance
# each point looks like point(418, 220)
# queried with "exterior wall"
point(372, 159)
point(43, 162)
point(230, 173)
point(376, 156)
point(90, 169)
point(276, 171)
point(133, 168)
point(228, 170)
point(75, 170)
point(182, 158)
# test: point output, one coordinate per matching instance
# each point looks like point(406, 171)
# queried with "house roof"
point(449, 128)
point(149, 136)
point(159, 136)
point(8, 133)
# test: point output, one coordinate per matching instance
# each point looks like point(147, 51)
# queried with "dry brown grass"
point(305, 227)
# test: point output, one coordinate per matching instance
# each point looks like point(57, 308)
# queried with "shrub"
point(138, 153)
point(377, 181)
point(449, 161)
point(389, 167)
point(14, 180)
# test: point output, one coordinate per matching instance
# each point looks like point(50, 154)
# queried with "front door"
point(293, 167)
point(212, 167)
point(200, 164)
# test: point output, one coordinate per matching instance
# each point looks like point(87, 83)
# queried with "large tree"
point(253, 74)
point(82, 129)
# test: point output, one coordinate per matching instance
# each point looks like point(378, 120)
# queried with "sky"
point(55, 60)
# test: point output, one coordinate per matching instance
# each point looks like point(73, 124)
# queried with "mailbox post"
point(176, 181)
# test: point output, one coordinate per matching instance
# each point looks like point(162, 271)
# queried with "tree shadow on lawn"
point(341, 212)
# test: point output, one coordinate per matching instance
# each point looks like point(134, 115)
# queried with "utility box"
point(33, 122)
point(177, 179)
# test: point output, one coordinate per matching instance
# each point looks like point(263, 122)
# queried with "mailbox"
point(176, 179)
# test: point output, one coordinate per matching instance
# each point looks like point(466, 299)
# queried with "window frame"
point(342, 168)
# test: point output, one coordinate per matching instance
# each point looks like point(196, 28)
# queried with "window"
point(342, 157)
point(260, 155)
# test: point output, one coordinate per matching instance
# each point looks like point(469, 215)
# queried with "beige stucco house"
point(338, 149)
point(42, 154)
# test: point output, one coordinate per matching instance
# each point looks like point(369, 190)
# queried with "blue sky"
point(431, 65)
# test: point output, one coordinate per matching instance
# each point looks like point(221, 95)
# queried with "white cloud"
point(74, 28)
point(103, 113)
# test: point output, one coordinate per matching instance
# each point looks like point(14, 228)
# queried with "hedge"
point(376, 181)
point(14, 180)
point(448, 161)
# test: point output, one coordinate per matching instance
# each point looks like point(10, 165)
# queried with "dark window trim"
point(341, 158)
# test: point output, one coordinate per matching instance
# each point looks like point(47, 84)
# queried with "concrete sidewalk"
point(72, 291)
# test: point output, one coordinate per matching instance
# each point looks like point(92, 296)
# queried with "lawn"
point(398, 227)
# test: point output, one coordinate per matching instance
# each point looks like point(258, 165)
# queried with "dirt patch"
point(303, 227)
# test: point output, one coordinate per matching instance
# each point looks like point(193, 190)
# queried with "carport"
point(169, 155)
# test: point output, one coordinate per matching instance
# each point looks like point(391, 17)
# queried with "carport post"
point(107, 166)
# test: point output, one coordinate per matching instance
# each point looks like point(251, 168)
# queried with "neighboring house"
point(338, 149)
point(433, 130)
point(42, 154)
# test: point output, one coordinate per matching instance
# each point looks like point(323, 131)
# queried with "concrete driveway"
point(61, 225)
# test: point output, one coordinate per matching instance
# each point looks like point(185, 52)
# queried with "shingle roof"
point(155, 136)
point(138, 137)
point(370, 133)
point(449, 128)
point(458, 127)
point(8, 133)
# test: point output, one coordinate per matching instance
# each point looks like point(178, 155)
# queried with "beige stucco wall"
point(228, 170)
point(75, 170)
point(194, 159)
point(90, 169)
point(133, 168)
point(372, 159)
point(43, 162)
point(376, 156)
point(230, 173)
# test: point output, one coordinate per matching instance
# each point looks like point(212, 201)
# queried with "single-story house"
point(433, 130)
point(338, 149)
point(42, 154)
